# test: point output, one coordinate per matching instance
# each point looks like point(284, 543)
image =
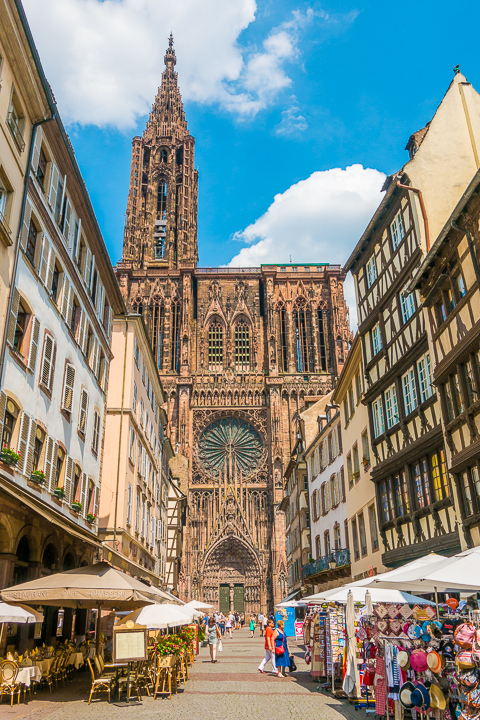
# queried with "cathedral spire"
point(161, 225)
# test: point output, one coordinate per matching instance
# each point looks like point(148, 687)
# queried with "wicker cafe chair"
point(144, 677)
point(8, 680)
point(165, 676)
point(99, 684)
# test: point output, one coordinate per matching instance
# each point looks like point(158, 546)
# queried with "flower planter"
point(59, 493)
point(10, 459)
point(76, 507)
point(35, 486)
point(91, 518)
point(38, 479)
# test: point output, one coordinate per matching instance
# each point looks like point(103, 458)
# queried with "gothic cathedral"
point(240, 351)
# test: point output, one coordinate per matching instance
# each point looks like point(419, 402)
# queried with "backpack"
point(464, 635)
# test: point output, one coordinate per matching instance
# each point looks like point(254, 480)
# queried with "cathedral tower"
point(240, 351)
point(161, 218)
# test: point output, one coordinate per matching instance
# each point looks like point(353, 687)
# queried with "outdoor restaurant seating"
point(8, 678)
point(99, 683)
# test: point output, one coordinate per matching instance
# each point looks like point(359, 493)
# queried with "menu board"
point(129, 644)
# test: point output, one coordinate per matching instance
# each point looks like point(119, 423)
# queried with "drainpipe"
point(120, 438)
point(17, 242)
point(471, 247)
point(422, 205)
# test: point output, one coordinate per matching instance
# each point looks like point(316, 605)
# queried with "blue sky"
point(277, 94)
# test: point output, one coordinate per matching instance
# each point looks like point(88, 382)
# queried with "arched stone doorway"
point(231, 577)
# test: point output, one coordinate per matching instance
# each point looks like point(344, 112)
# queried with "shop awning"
point(290, 597)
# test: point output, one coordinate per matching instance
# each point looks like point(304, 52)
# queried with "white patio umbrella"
point(352, 677)
point(291, 604)
point(377, 595)
point(19, 614)
point(198, 605)
point(460, 573)
point(161, 615)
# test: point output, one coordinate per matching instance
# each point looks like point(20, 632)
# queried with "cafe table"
point(117, 667)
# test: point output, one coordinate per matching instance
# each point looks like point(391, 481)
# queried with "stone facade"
point(238, 350)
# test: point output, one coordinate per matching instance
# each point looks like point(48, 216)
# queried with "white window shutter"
point(105, 375)
point(44, 259)
point(3, 403)
point(52, 195)
point(67, 221)
point(83, 494)
point(65, 296)
point(100, 298)
point(69, 480)
point(49, 461)
point(36, 149)
point(81, 329)
point(71, 306)
point(48, 361)
point(23, 440)
point(31, 446)
point(51, 269)
point(26, 226)
point(96, 505)
point(13, 317)
point(86, 274)
point(82, 419)
point(68, 388)
point(110, 318)
point(32, 355)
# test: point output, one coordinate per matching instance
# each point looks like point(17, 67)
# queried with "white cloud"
point(293, 122)
point(104, 58)
point(319, 219)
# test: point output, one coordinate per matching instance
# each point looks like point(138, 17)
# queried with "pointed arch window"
point(242, 346)
point(282, 316)
point(215, 346)
point(162, 199)
point(158, 317)
point(303, 339)
point(164, 155)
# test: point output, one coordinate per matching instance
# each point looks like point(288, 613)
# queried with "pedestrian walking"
point(269, 648)
point(213, 638)
point(242, 621)
point(252, 626)
point(228, 625)
point(282, 656)
point(237, 624)
point(265, 622)
point(223, 620)
point(260, 622)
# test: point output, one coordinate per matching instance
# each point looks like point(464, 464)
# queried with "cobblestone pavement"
point(232, 689)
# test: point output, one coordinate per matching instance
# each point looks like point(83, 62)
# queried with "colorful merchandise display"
point(324, 638)
point(418, 666)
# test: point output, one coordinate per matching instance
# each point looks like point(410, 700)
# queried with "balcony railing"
point(341, 558)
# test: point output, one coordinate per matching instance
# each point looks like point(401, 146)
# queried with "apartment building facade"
point(362, 522)
point(133, 519)
point(414, 494)
point(448, 282)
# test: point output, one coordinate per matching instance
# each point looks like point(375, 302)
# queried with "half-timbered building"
point(448, 281)
point(414, 497)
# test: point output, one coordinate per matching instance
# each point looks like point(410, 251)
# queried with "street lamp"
point(332, 563)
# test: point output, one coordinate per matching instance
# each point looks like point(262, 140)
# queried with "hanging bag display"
point(464, 635)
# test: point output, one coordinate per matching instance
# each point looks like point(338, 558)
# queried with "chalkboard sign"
point(129, 644)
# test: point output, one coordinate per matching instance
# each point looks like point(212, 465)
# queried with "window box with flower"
point(38, 477)
point(91, 518)
point(76, 506)
point(59, 493)
point(9, 456)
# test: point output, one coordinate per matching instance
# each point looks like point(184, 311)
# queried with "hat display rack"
point(324, 639)
point(421, 667)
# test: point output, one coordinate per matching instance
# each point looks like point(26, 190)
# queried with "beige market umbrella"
point(18, 614)
point(93, 586)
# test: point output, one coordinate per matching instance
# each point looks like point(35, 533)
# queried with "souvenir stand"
point(324, 639)
point(418, 666)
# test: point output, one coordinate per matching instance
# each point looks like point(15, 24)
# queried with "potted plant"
point(59, 492)
point(91, 517)
point(366, 461)
point(356, 474)
point(9, 456)
point(77, 506)
point(38, 477)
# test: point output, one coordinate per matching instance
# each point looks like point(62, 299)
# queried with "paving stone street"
point(231, 689)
